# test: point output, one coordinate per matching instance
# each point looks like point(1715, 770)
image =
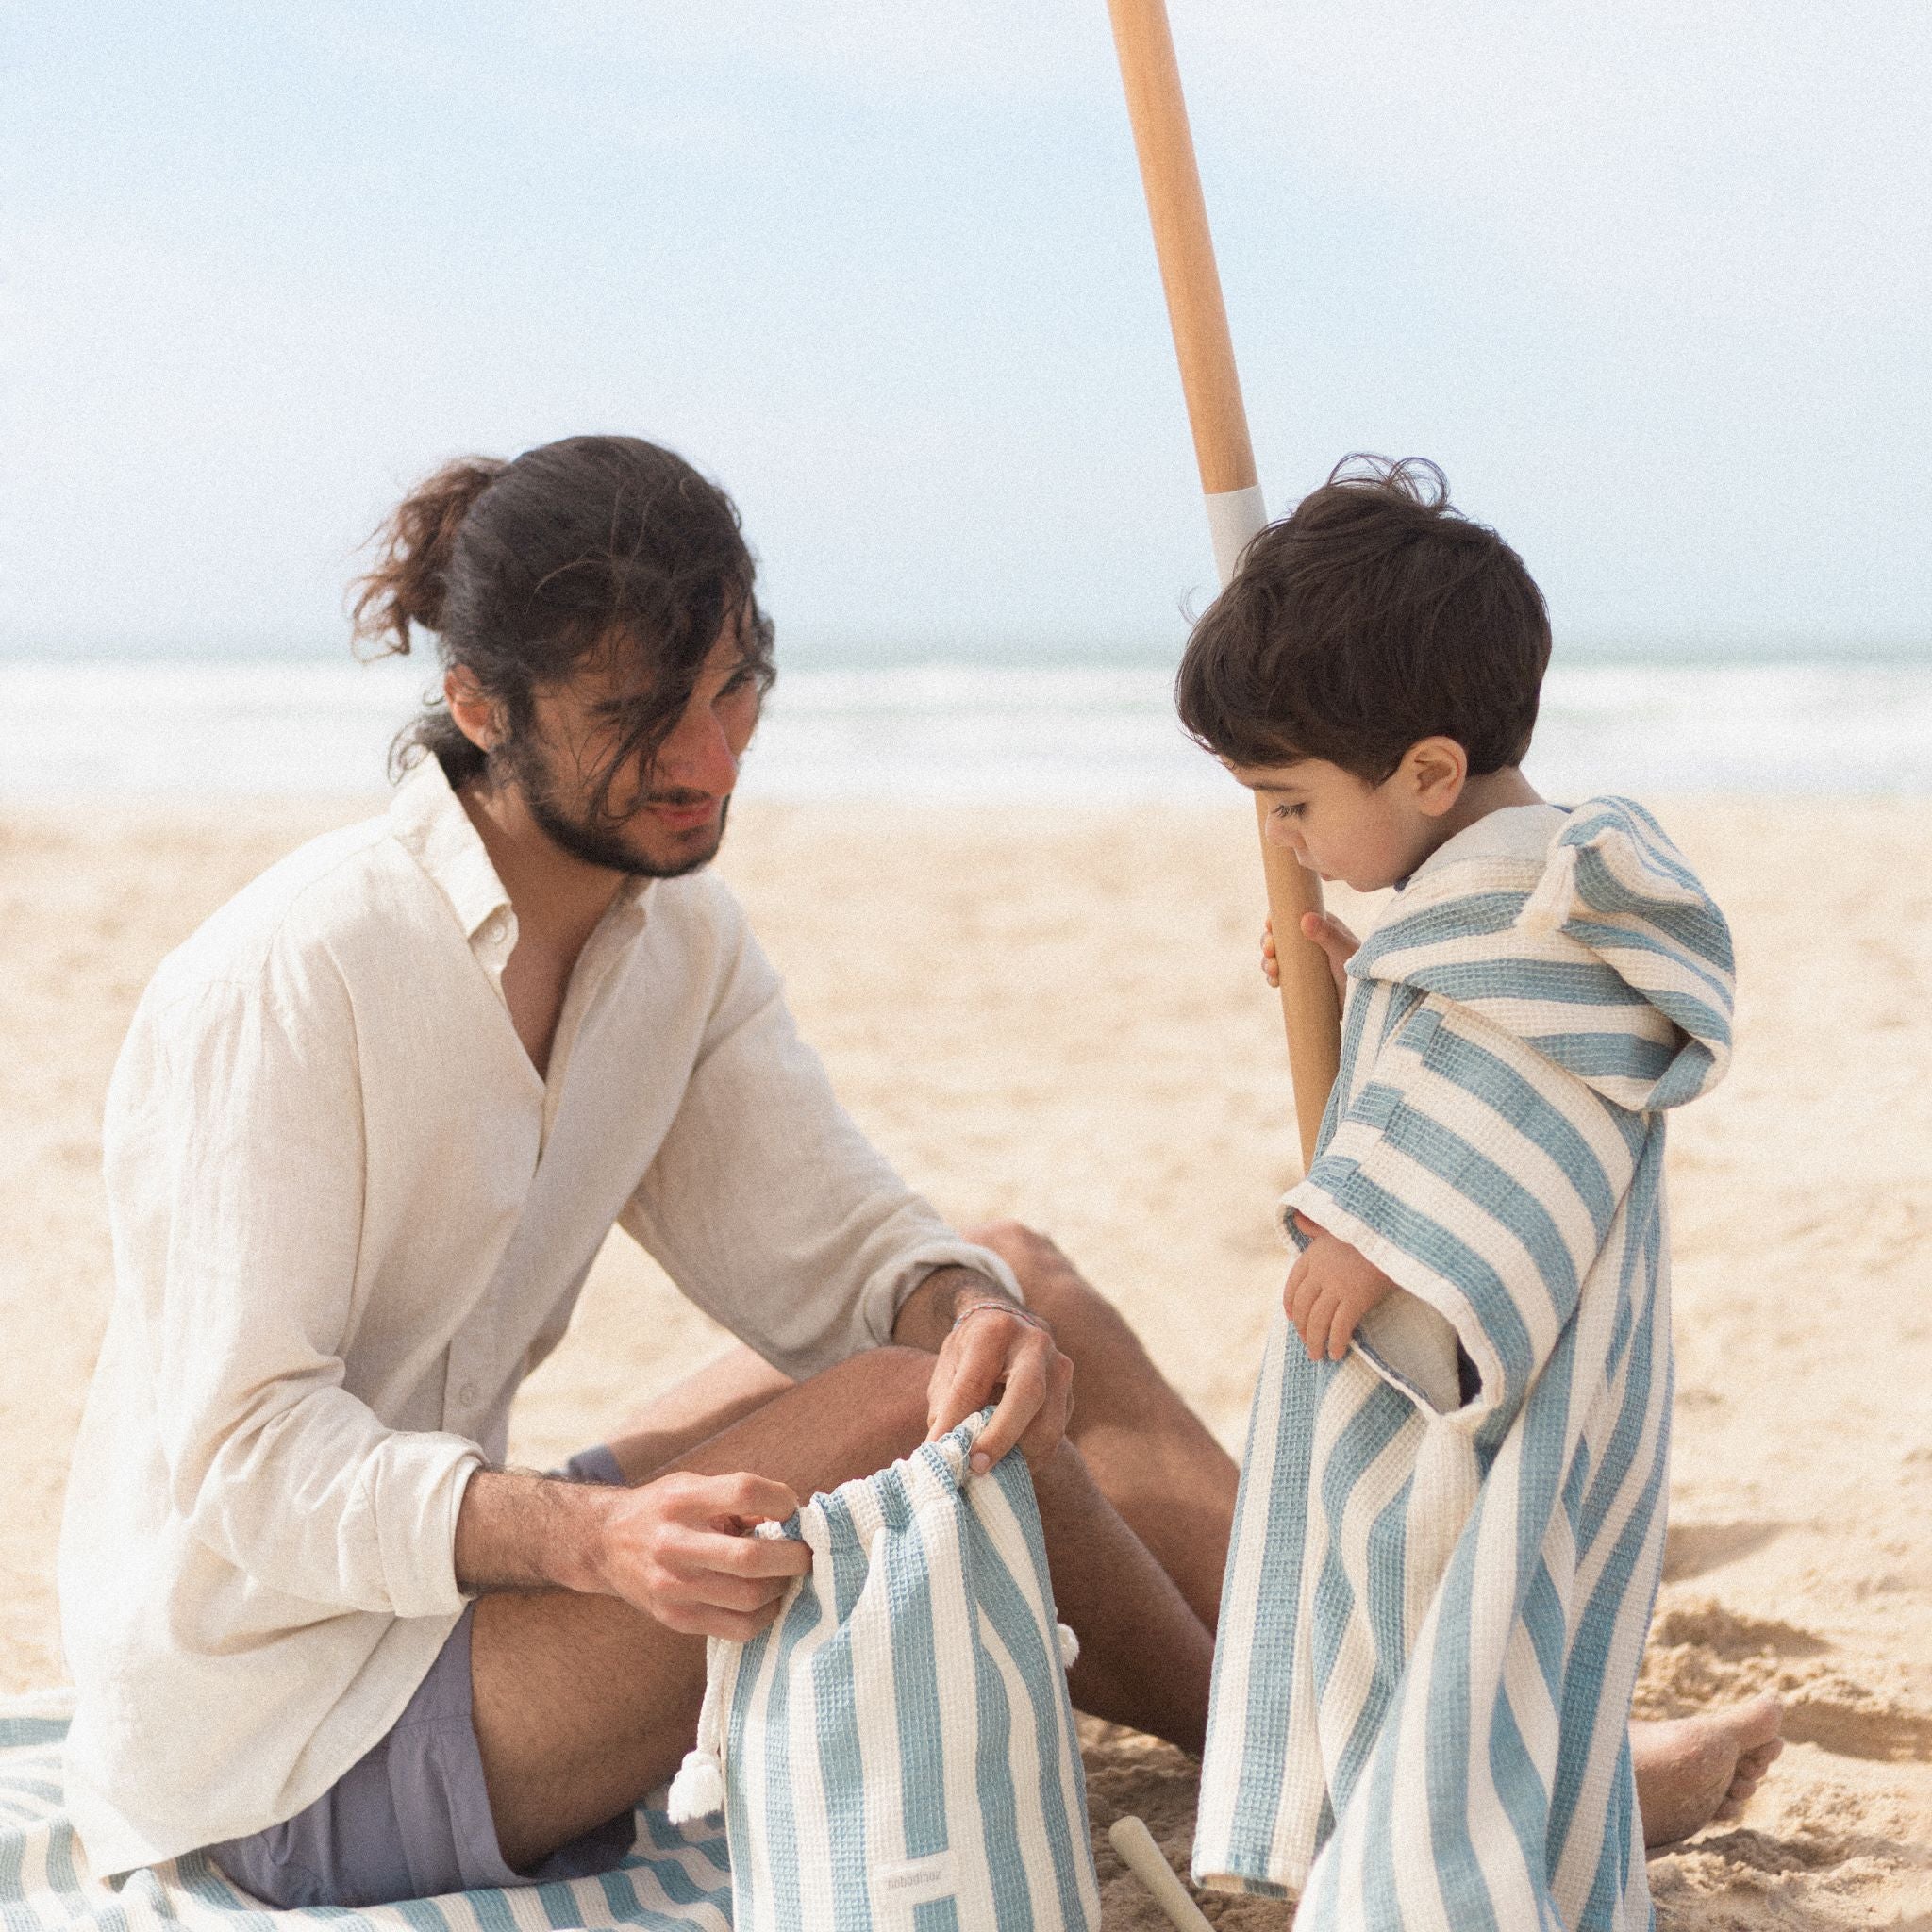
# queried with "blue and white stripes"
point(1447, 1544)
point(898, 1749)
point(672, 1882)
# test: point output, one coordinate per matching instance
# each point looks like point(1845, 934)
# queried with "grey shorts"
point(411, 1818)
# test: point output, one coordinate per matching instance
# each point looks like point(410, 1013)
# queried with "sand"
point(1058, 1016)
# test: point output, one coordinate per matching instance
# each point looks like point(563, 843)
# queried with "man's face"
point(657, 822)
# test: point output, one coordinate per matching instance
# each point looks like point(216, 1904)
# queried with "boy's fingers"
point(1308, 1299)
point(1340, 1332)
point(1315, 1329)
point(1293, 1287)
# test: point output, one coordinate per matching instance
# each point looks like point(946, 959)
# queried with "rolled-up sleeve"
point(235, 1168)
point(767, 1205)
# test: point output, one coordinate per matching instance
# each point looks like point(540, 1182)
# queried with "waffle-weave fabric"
point(1436, 1599)
point(674, 1881)
point(898, 1749)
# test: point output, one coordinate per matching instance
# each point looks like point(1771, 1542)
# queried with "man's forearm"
point(519, 1531)
point(927, 1315)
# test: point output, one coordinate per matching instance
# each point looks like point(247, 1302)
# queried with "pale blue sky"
point(1651, 281)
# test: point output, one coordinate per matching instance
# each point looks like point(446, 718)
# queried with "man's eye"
point(1289, 811)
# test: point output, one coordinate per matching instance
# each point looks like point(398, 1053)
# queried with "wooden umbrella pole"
point(1227, 459)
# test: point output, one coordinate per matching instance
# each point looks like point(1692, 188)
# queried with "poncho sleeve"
point(1482, 1179)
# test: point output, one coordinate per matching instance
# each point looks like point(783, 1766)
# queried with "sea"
point(958, 727)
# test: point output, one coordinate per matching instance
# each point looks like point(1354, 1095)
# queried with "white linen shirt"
point(349, 1218)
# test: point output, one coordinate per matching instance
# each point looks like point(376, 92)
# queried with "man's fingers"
point(715, 1589)
point(1043, 1434)
point(1024, 1396)
point(743, 1556)
point(705, 1620)
point(968, 1371)
point(749, 1498)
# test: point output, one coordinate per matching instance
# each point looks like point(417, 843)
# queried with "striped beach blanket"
point(675, 1881)
point(897, 1750)
point(1448, 1544)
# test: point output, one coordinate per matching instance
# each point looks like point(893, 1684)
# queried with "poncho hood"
point(1605, 952)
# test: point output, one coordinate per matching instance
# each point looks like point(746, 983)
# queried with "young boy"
point(1451, 1511)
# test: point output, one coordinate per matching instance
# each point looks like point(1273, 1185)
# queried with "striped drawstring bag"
point(897, 1749)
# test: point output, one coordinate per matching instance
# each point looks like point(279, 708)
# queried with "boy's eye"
point(1290, 811)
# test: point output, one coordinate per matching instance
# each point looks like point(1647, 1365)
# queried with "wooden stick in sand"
point(1226, 462)
point(1131, 1838)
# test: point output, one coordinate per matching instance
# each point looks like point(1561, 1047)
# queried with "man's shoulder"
point(692, 917)
point(306, 905)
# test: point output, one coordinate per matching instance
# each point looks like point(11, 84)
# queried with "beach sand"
point(1058, 1016)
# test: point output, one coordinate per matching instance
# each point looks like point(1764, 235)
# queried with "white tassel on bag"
point(698, 1789)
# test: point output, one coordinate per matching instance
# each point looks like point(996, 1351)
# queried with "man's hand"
point(989, 1349)
point(1330, 1287)
point(679, 1548)
point(1328, 933)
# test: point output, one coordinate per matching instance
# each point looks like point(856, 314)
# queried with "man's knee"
point(1082, 1319)
point(882, 1393)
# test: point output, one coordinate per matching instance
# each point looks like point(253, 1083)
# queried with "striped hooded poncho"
point(1448, 1544)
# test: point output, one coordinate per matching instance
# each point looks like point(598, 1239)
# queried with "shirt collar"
point(427, 820)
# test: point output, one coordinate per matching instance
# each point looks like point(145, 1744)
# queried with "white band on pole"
point(1235, 519)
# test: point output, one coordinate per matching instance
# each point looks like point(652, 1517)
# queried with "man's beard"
point(584, 841)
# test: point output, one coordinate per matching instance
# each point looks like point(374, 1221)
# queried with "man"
point(370, 1128)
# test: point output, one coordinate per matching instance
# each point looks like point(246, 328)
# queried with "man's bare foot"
point(1694, 1770)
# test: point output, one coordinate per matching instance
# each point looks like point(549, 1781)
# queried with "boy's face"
point(1344, 827)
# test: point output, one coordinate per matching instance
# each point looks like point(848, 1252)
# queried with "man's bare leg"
point(583, 1704)
point(735, 1385)
point(1151, 1455)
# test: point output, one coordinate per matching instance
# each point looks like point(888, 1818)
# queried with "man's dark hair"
point(524, 569)
point(1374, 615)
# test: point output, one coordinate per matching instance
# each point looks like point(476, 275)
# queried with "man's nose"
point(698, 755)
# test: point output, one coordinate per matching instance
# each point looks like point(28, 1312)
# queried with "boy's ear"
point(1435, 771)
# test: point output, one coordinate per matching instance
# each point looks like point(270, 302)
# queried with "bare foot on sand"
point(1692, 1770)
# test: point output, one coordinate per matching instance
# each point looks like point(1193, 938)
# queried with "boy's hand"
point(1329, 1290)
point(1328, 933)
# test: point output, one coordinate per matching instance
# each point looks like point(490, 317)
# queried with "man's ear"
point(1435, 771)
point(475, 715)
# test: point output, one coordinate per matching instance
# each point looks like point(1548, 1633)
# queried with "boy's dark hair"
point(1374, 615)
point(528, 570)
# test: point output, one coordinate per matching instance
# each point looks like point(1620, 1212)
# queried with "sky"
point(1650, 281)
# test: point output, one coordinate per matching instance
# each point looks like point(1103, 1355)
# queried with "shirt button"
point(467, 1395)
point(492, 927)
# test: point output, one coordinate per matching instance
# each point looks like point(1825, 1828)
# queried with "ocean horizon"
point(924, 725)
